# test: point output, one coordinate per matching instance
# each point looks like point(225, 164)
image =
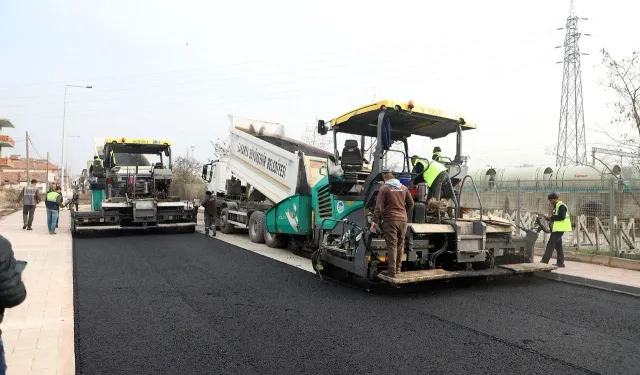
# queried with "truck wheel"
point(256, 227)
point(276, 241)
point(225, 226)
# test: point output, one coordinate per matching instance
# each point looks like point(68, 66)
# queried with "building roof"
point(12, 163)
point(5, 123)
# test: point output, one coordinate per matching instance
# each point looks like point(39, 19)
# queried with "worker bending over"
point(435, 175)
point(394, 201)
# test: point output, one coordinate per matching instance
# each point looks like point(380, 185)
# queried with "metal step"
point(471, 237)
point(440, 274)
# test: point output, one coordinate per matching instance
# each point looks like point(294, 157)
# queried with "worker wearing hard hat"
point(435, 175)
point(560, 222)
point(437, 155)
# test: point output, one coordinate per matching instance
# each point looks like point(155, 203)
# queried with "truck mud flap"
point(440, 274)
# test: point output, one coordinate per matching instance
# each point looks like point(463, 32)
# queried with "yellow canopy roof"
point(405, 121)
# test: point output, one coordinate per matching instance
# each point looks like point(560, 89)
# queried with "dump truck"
point(263, 167)
point(333, 220)
point(136, 194)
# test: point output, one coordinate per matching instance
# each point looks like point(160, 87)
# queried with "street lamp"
point(64, 115)
point(67, 161)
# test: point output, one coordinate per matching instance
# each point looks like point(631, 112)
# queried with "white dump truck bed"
point(275, 165)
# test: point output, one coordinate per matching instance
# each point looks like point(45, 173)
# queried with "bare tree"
point(220, 148)
point(623, 77)
point(186, 170)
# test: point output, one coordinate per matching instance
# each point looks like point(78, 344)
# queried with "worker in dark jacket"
point(394, 201)
point(560, 222)
point(210, 211)
point(12, 290)
point(29, 197)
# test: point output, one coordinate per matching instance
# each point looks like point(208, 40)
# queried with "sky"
point(175, 70)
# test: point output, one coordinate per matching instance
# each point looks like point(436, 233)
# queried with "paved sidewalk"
point(38, 334)
point(593, 275)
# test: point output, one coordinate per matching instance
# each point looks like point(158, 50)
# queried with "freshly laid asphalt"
point(188, 304)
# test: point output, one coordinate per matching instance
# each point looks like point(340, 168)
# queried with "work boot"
point(24, 227)
point(29, 228)
point(206, 232)
point(559, 265)
point(388, 273)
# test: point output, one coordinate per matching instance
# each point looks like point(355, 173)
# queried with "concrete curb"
point(627, 264)
point(591, 283)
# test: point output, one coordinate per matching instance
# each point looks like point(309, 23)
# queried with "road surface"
point(188, 304)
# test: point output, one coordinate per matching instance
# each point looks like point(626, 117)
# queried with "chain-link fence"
point(603, 212)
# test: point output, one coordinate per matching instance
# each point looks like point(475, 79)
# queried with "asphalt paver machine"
point(128, 191)
point(440, 244)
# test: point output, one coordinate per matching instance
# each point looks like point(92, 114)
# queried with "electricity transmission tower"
point(572, 142)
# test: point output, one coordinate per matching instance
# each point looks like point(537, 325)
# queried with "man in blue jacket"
point(12, 290)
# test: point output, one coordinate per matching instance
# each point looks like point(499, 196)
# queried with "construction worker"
point(210, 211)
point(30, 197)
point(112, 159)
point(12, 290)
point(53, 203)
point(437, 156)
point(53, 188)
point(97, 162)
point(435, 175)
point(394, 201)
point(560, 222)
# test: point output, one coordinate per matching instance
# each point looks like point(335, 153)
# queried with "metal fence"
point(603, 212)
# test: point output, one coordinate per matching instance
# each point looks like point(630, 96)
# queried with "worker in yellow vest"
point(560, 222)
point(437, 156)
point(53, 203)
point(435, 175)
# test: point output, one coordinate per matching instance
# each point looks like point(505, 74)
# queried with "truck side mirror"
point(321, 170)
point(322, 128)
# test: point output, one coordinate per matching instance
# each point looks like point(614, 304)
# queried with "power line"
point(293, 93)
point(300, 60)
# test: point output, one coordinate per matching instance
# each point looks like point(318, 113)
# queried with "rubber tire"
point(276, 241)
point(256, 227)
point(225, 226)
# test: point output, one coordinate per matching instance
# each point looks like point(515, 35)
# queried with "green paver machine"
point(333, 221)
point(128, 191)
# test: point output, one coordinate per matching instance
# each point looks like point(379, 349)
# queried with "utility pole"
point(28, 175)
point(46, 184)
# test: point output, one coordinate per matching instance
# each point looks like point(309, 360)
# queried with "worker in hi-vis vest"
point(53, 203)
point(435, 175)
point(560, 222)
point(437, 156)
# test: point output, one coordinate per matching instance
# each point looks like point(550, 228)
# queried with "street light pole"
point(67, 161)
point(64, 116)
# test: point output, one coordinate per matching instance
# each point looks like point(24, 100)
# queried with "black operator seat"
point(351, 156)
point(98, 169)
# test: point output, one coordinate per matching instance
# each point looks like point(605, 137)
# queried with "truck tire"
point(276, 241)
point(225, 226)
point(256, 227)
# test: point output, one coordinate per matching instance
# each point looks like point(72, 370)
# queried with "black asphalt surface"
point(188, 304)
